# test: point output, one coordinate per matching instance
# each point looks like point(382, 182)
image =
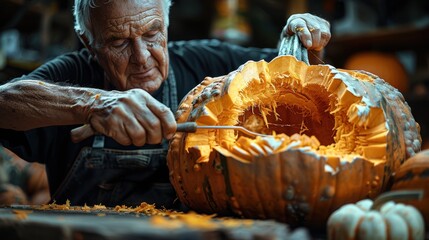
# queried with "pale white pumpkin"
point(390, 221)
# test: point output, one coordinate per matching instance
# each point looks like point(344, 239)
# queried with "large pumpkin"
point(414, 175)
point(336, 137)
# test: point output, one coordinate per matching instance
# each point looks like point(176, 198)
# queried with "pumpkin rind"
point(414, 175)
point(363, 128)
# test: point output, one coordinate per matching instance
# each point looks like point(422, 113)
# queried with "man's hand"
point(314, 32)
point(130, 117)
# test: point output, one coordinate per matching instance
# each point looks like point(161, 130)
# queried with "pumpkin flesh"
point(345, 124)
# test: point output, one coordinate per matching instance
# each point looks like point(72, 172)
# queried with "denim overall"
point(114, 177)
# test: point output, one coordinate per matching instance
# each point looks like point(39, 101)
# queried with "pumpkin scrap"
point(21, 214)
point(198, 221)
point(147, 209)
point(55, 206)
point(336, 137)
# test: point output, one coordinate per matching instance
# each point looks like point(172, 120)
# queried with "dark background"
point(33, 31)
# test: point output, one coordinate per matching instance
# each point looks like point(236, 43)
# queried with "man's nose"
point(140, 51)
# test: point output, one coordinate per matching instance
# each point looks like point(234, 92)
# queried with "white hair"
point(82, 19)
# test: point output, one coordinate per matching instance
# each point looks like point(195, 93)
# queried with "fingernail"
point(309, 43)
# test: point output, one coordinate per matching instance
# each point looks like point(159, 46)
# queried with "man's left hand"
point(314, 32)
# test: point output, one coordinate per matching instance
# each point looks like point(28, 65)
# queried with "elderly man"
point(126, 85)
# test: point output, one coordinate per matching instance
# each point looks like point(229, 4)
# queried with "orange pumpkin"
point(414, 175)
point(335, 138)
point(11, 194)
point(385, 65)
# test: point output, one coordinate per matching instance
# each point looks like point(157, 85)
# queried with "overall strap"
point(169, 96)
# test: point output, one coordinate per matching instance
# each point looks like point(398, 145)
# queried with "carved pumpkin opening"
point(299, 102)
point(305, 112)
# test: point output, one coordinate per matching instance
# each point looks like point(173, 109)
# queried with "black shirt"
point(191, 61)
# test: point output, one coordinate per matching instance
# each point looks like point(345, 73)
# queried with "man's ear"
point(85, 42)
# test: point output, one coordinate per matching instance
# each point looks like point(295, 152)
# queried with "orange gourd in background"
point(336, 136)
point(385, 65)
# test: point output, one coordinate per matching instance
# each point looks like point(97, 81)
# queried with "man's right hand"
point(129, 117)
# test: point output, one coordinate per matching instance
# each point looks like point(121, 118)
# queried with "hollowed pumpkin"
point(335, 138)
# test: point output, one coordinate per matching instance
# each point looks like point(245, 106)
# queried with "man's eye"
point(151, 35)
point(119, 43)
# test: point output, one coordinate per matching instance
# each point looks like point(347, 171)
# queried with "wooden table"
point(33, 222)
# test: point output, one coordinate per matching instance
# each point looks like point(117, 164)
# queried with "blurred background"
point(389, 38)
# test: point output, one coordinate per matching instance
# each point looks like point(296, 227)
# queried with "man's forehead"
point(121, 8)
point(116, 17)
point(129, 20)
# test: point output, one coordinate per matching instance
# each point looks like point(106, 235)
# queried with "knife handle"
point(80, 133)
point(189, 127)
point(85, 131)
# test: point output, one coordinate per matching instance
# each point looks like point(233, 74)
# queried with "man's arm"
point(129, 117)
point(28, 104)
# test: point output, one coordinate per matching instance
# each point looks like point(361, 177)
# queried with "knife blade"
point(191, 127)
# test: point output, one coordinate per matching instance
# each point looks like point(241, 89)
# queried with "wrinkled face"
point(130, 43)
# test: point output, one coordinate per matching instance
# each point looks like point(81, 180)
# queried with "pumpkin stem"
point(396, 196)
point(291, 45)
